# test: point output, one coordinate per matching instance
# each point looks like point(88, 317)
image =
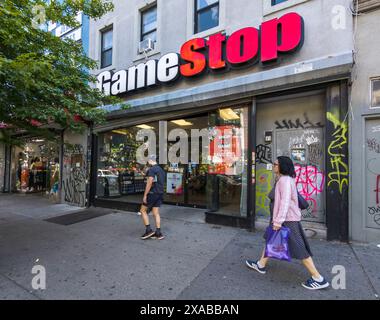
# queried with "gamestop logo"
point(243, 47)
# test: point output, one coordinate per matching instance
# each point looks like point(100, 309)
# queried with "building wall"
point(328, 34)
point(175, 18)
point(365, 159)
point(75, 175)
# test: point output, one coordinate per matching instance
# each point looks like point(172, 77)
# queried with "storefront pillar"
point(337, 169)
point(7, 169)
point(251, 187)
point(93, 167)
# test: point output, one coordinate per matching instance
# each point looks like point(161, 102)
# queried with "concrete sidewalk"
point(104, 258)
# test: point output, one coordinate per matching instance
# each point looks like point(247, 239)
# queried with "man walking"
point(153, 197)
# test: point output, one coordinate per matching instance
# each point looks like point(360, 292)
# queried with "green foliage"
point(44, 79)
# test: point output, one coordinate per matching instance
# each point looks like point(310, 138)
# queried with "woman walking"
point(285, 212)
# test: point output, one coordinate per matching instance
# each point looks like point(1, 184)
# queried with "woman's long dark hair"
point(286, 166)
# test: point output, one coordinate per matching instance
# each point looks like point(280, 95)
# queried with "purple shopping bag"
point(277, 246)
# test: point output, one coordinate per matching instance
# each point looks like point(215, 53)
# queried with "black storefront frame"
point(211, 217)
point(337, 217)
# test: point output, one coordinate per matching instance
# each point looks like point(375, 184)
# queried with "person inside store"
point(153, 198)
point(32, 173)
point(54, 179)
point(285, 211)
point(38, 168)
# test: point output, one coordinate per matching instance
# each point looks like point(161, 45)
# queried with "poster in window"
point(225, 150)
point(174, 183)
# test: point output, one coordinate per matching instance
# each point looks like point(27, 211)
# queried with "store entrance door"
point(186, 183)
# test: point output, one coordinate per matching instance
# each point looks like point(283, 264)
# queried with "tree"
point(43, 78)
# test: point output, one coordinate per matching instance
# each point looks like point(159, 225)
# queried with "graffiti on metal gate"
point(74, 187)
point(377, 190)
point(305, 123)
point(75, 175)
point(373, 145)
point(339, 172)
point(310, 183)
point(315, 153)
point(263, 187)
point(263, 154)
point(374, 212)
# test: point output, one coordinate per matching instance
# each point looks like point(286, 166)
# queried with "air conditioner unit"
point(146, 45)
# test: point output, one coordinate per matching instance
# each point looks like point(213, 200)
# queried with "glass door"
point(186, 182)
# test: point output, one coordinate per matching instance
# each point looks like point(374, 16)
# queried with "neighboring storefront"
point(365, 125)
point(33, 167)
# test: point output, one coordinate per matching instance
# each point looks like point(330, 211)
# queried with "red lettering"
point(215, 44)
point(243, 46)
point(377, 190)
point(197, 60)
point(281, 35)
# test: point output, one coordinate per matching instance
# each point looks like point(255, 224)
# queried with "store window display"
point(216, 180)
point(119, 175)
point(37, 167)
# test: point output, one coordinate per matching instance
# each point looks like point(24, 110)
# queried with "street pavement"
point(104, 258)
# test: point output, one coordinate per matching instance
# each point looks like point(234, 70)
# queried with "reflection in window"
point(375, 93)
point(213, 174)
point(274, 2)
point(206, 15)
point(119, 173)
point(149, 24)
point(106, 49)
point(227, 183)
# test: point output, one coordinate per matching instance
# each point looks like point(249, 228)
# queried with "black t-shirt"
point(159, 179)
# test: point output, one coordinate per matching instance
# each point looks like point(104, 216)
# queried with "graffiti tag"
point(69, 149)
point(304, 124)
point(310, 183)
point(373, 145)
point(315, 153)
point(377, 190)
point(263, 154)
point(309, 212)
point(74, 187)
point(339, 173)
point(375, 212)
point(371, 166)
point(263, 187)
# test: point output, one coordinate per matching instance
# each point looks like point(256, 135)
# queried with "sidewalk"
point(104, 258)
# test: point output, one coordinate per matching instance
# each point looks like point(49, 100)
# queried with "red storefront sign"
point(243, 47)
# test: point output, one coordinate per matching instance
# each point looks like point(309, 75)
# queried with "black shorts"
point(154, 200)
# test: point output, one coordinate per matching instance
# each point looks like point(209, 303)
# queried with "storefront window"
point(227, 173)
point(119, 174)
point(36, 167)
point(204, 158)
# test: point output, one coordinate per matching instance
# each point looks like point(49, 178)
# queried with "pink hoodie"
point(286, 202)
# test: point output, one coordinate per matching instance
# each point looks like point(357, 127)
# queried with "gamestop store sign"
point(243, 47)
